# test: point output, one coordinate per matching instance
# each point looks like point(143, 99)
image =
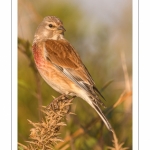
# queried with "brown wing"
point(64, 58)
point(62, 54)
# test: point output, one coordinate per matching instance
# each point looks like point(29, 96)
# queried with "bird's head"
point(50, 28)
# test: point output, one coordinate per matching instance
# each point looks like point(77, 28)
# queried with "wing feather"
point(63, 56)
point(61, 53)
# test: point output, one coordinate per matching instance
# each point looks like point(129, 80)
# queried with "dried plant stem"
point(116, 145)
point(45, 134)
point(126, 76)
point(128, 102)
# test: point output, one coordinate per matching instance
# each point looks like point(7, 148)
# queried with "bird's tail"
point(91, 97)
point(100, 113)
point(94, 103)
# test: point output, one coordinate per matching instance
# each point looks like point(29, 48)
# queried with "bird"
point(61, 67)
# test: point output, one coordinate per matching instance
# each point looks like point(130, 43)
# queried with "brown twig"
point(128, 102)
point(116, 145)
point(126, 76)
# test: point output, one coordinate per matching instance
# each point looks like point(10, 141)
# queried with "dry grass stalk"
point(45, 134)
point(116, 145)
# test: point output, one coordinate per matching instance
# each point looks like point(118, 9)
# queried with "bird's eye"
point(50, 25)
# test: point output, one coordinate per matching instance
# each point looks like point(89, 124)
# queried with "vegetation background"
point(101, 32)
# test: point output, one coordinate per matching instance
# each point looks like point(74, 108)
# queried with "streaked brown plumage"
point(60, 65)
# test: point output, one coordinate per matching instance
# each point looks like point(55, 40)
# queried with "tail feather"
point(98, 92)
point(100, 113)
point(94, 101)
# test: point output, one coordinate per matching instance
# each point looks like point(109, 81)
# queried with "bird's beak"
point(61, 28)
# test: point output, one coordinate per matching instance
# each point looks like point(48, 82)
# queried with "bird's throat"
point(58, 37)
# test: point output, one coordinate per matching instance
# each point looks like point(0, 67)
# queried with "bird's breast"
point(38, 55)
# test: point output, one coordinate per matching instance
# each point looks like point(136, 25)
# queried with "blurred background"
point(101, 32)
